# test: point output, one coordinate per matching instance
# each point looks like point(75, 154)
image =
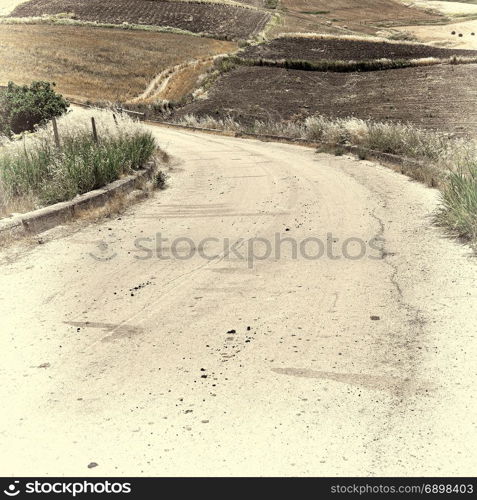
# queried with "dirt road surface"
point(289, 365)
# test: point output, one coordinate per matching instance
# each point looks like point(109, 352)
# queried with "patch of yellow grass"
point(90, 63)
point(180, 81)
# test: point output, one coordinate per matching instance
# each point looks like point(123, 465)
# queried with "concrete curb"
point(46, 218)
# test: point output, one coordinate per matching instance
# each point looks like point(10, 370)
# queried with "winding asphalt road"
point(353, 355)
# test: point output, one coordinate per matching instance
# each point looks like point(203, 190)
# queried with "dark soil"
point(223, 21)
point(346, 50)
point(440, 97)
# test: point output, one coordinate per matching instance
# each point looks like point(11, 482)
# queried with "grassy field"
point(96, 63)
point(183, 81)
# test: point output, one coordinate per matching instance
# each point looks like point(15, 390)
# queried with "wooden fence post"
point(95, 133)
point(55, 132)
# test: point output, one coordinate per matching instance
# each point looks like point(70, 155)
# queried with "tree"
point(22, 107)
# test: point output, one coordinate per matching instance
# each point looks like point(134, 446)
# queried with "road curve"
point(212, 363)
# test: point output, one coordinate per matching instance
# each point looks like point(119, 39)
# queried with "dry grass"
point(176, 83)
point(69, 19)
point(32, 168)
point(186, 81)
point(96, 63)
point(437, 150)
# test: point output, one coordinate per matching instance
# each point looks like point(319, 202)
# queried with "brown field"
point(221, 20)
point(96, 63)
point(355, 15)
point(332, 49)
point(439, 97)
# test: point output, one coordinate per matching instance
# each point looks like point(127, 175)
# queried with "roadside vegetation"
point(22, 107)
point(459, 203)
point(447, 163)
point(35, 171)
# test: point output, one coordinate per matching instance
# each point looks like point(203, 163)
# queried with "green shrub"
point(23, 107)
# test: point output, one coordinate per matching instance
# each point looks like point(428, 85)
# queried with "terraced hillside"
point(216, 19)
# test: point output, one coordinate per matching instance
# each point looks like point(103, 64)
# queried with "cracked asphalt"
point(273, 312)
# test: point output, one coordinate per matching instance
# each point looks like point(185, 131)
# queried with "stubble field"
point(96, 63)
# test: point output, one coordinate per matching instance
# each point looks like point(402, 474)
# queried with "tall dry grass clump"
point(227, 124)
point(34, 168)
point(459, 203)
